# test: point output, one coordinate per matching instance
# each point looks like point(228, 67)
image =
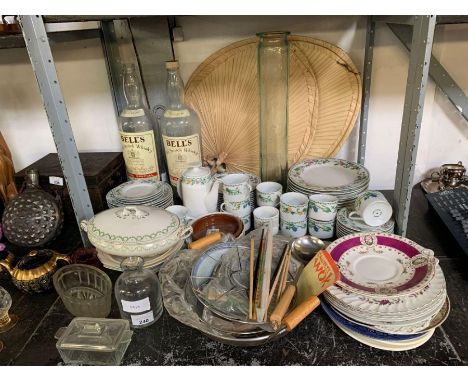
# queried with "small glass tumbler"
point(86, 291)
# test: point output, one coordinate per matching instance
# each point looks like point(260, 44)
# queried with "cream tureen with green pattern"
point(135, 231)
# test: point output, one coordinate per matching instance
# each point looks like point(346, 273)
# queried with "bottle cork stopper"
point(172, 65)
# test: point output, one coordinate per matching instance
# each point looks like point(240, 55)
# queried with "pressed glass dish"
point(85, 290)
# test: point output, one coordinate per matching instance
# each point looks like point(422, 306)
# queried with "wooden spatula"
point(317, 276)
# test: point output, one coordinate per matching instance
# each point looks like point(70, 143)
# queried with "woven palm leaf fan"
point(322, 109)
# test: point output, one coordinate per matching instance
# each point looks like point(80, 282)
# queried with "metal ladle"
point(304, 248)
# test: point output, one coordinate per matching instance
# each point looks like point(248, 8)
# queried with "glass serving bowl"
point(86, 291)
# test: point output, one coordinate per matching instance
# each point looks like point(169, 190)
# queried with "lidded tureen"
point(135, 231)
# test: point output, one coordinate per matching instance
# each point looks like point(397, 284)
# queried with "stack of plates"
point(151, 262)
point(141, 192)
point(253, 181)
point(338, 177)
point(392, 292)
point(346, 226)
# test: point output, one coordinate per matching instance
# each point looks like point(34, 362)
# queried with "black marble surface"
point(316, 341)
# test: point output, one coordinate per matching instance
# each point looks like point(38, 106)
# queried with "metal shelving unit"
point(147, 41)
point(416, 33)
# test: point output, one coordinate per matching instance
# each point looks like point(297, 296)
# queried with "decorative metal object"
point(34, 217)
point(33, 273)
point(7, 321)
point(273, 74)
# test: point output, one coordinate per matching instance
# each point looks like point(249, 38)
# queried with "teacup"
point(247, 220)
point(321, 229)
point(372, 208)
point(296, 229)
point(293, 207)
point(241, 208)
point(266, 215)
point(268, 194)
point(236, 187)
point(182, 212)
point(323, 207)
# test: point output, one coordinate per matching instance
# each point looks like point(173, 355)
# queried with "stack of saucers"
point(141, 192)
point(346, 226)
point(253, 181)
point(151, 262)
point(338, 177)
point(391, 294)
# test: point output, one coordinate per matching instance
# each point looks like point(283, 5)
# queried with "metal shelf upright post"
point(420, 57)
point(37, 44)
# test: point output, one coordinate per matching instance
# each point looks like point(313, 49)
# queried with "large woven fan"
point(324, 98)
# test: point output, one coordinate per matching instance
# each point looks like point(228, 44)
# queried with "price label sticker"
point(57, 180)
point(142, 319)
point(136, 306)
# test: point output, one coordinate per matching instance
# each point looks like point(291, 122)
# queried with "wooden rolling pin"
point(205, 241)
point(300, 312)
point(282, 307)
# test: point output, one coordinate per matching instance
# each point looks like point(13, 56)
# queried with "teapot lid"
point(196, 170)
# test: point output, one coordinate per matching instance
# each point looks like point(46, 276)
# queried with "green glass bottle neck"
point(175, 89)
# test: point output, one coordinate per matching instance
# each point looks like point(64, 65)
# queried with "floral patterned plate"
point(395, 308)
point(336, 316)
point(379, 264)
point(137, 190)
point(411, 326)
point(328, 174)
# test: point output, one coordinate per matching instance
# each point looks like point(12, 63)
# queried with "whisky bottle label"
point(181, 152)
point(176, 113)
point(139, 151)
point(130, 113)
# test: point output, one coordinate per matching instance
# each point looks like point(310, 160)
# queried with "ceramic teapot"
point(198, 190)
point(33, 272)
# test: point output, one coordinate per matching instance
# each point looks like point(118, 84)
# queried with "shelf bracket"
point(437, 72)
point(366, 85)
point(38, 47)
point(420, 57)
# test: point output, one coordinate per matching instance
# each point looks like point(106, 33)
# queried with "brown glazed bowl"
point(217, 221)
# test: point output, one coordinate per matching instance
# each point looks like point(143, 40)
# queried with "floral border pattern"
point(295, 172)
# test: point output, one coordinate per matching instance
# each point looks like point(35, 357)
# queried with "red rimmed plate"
point(378, 264)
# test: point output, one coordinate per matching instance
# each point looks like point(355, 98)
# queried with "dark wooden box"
point(102, 172)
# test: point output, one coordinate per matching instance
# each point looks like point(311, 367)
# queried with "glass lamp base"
point(10, 324)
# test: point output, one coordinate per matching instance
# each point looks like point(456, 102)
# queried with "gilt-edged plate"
point(382, 264)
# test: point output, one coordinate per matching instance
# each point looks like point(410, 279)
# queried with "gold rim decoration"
point(323, 102)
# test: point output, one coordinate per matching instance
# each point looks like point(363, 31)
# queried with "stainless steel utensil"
point(305, 247)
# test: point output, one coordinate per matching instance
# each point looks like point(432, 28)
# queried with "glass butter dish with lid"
point(94, 341)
